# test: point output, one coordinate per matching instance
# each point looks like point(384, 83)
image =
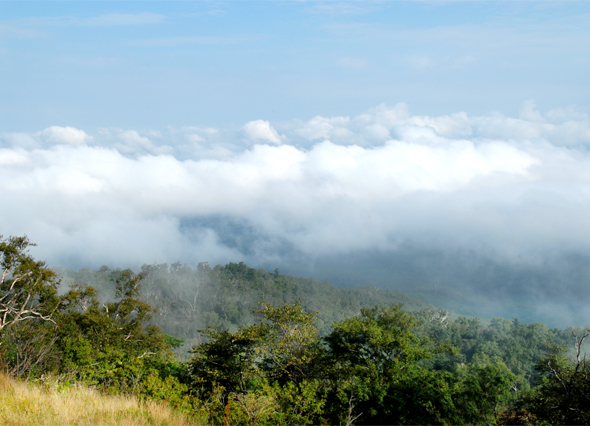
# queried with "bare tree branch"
point(578, 345)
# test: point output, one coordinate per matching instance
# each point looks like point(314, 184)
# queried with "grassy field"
point(46, 404)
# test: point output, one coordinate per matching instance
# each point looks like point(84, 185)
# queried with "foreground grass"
point(27, 404)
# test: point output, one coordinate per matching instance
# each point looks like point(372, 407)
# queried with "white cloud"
point(69, 135)
point(529, 112)
point(22, 140)
point(324, 128)
point(492, 183)
point(11, 157)
point(261, 130)
point(290, 186)
point(567, 126)
point(131, 141)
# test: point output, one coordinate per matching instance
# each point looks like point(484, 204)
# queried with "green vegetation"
point(188, 300)
point(303, 353)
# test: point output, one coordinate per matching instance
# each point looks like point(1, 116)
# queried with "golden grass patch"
point(25, 404)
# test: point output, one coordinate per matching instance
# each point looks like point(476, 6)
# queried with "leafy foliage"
point(100, 341)
point(28, 289)
point(225, 361)
point(379, 375)
point(282, 362)
point(288, 343)
point(562, 395)
point(109, 345)
point(519, 346)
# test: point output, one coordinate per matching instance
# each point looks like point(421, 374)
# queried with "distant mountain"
point(552, 290)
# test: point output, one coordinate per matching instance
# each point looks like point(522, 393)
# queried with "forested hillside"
point(188, 300)
point(263, 354)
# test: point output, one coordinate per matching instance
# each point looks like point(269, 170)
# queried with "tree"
point(482, 390)
point(379, 339)
point(281, 348)
point(28, 289)
point(288, 342)
point(274, 363)
point(376, 375)
point(379, 375)
point(225, 360)
point(106, 342)
point(563, 392)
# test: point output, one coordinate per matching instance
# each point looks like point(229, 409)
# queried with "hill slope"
point(190, 299)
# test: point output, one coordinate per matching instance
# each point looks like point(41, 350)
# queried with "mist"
point(489, 210)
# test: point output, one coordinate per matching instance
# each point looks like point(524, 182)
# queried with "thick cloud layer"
point(513, 191)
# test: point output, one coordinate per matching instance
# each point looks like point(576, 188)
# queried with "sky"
point(417, 145)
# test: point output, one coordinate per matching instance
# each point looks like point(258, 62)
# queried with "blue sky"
point(425, 143)
point(154, 64)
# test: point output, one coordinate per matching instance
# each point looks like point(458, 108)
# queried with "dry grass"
point(26, 404)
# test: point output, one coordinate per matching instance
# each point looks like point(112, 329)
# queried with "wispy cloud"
point(25, 25)
point(346, 7)
point(420, 62)
point(353, 63)
point(113, 19)
point(187, 40)
point(15, 31)
point(562, 34)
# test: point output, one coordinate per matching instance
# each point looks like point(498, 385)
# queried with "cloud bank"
point(512, 190)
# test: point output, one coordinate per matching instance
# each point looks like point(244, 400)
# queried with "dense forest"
point(237, 345)
point(188, 300)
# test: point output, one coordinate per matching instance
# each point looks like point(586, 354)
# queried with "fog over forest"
point(484, 211)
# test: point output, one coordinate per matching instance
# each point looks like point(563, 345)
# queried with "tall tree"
point(28, 288)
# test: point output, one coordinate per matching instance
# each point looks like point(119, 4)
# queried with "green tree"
point(380, 375)
point(108, 343)
point(28, 302)
point(28, 288)
point(482, 391)
point(74, 334)
point(562, 394)
point(283, 347)
point(268, 370)
point(376, 376)
point(226, 360)
point(288, 343)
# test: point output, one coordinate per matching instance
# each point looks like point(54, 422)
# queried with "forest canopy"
point(236, 345)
